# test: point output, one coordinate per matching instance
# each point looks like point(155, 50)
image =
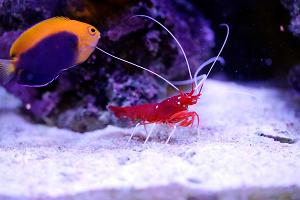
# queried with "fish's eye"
point(92, 30)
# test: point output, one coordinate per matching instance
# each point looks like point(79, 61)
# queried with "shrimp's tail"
point(118, 111)
point(7, 70)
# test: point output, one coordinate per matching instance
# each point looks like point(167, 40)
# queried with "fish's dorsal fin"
point(53, 20)
point(56, 19)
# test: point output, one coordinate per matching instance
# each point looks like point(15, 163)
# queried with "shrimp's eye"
point(92, 30)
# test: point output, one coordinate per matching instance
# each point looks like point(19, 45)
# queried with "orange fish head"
point(91, 36)
point(88, 35)
point(88, 39)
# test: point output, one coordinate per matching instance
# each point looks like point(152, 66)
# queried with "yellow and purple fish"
point(46, 49)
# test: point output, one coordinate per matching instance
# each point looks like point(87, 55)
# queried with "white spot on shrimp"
point(178, 103)
point(179, 97)
point(156, 106)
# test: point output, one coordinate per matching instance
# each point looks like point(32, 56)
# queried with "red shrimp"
point(170, 111)
point(173, 110)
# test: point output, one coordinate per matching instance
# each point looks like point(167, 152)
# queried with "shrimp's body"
point(171, 111)
point(164, 112)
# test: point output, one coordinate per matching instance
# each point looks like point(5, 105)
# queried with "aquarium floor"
point(247, 149)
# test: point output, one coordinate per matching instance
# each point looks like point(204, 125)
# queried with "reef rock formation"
point(78, 98)
point(294, 27)
point(294, 9)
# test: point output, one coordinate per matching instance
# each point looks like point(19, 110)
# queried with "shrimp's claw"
point(184, 118)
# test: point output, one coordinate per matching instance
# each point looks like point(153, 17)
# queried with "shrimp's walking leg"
point(148, 134)
point(198, 122)
point(171, 134)
point(132, 133)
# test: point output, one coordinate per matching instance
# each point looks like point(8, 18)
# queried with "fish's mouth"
point(94, 45)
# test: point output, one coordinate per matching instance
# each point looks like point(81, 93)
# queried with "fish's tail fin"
point(7, 71)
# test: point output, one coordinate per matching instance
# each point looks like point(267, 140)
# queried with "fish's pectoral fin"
point(7, 71)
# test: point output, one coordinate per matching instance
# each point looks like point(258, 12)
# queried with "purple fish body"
point(45, 60)
point(42, 52)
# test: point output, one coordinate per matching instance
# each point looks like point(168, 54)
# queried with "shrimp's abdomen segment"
point(118, 111)
point(145, 112)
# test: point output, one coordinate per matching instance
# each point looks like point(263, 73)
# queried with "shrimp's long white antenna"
point(203, 77)
point(224, 43)
point(178, 43)
point(136, 65)
point(196, 77)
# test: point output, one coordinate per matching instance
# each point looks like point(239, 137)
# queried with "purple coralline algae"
point(294, 9)
point(77, 100)
point(293, 6)
point(294, 77)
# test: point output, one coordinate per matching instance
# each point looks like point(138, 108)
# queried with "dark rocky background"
point(264, 40)
point(263, 45)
